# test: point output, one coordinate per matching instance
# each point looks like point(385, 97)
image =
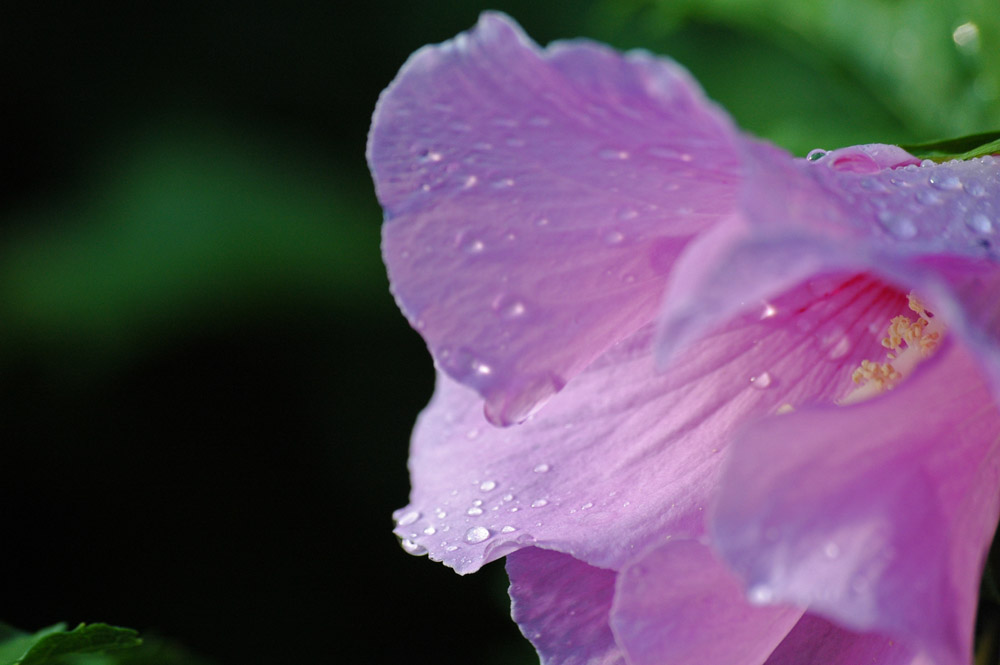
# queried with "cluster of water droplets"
point(952, 206)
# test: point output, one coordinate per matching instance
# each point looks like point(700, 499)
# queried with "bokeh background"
point(206, 390)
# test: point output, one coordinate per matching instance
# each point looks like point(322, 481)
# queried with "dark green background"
point(205, 388)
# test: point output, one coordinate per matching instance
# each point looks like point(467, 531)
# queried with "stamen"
point(909, 342)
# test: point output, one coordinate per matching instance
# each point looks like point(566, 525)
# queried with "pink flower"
point(646, 326)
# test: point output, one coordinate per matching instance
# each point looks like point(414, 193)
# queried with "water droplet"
point(477, 534)
point(760, 594)
point(769, 311)
point(945, 181)
point(542, 221)
point(409, 518)
point(451, 548)
point(508, 529)
point(614, 237)
point(975, 188)
point(614, 154)
point(472, 434)
point(979, 223)
point(488, 486)
point(503, 183)
point(816, 154)
point(929, 197)
point(413, 548)
point(508, 497)
point(475, 510)
point(539, 503)
point(469, 181)
point(541, 468)
point(831, 550)
point(477, 502)
point(587, 506)
point(508, 307)
point(898, 225)
point(481, 368)
point(840, 349)
point(430, 531)
point(761, 381)
point(475, 246)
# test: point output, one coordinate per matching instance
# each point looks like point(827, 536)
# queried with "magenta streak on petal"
point(816, 641)
point(561, 606)
point(930, 228)
point(536, 200)
point(877, 515)
point(679, 604)
point(625, 455)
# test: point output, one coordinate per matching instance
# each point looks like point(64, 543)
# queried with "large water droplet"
point(477, 534)
point(411, 547)
point(408, 519)
point(979, 223)
point(898, 225)
point(816, 154)
point(945, 181)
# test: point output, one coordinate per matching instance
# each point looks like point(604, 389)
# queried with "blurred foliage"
point(826, 74)
point(84, 645)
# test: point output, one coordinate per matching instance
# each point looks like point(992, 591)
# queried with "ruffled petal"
point(816, 641)
point(931, 228)
point(626, 456)
point(562, 607)
point(877, 515)
point(536, 199)
point(679, 604)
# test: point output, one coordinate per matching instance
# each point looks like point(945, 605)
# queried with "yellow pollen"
point(909, 342)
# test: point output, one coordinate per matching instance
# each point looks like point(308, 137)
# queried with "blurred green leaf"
point(917, 68)
point(966, 147)
point(189, 224)
point(54, 645)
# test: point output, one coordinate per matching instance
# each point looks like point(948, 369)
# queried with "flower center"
point(908, 342)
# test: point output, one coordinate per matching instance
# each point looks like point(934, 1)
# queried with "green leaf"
point(965, 147)
point(51, 645)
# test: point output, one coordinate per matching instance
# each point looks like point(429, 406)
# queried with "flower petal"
point(816, 641)
point(562, 606)
point(626, 456)
point(931, 228)
point(535, 200)
point(877, 515)
point(679, 604)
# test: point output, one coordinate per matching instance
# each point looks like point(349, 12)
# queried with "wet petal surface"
point(536, 199)
point(876, 515)
point(626, 455)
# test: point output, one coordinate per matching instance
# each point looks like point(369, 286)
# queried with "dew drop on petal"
point(899, 226)
point(539, 503)
point(408, 518)
point(508, 529)
point(760, 594)
point(979, 223)
point(474, 511)
point(614, 237)
point(816, 154)
point(413, 548)
point(430, 531)
point(477, 534)
point(488, 486)
point(945, 181)
point(541, 468)
point(761, 381)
